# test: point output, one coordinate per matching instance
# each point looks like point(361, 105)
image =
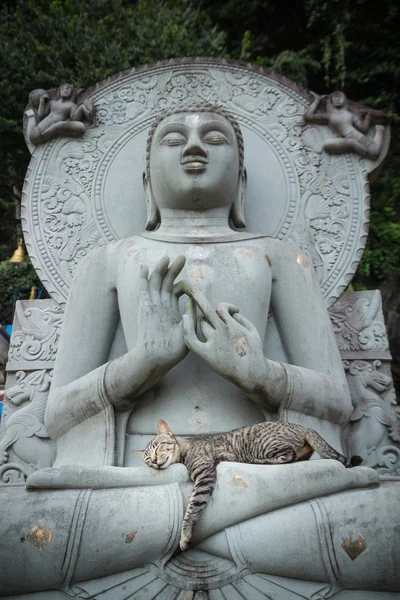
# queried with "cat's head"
point(163, 450)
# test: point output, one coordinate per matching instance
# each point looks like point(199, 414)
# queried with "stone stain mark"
point(197, 273)
point(132, 250)
point(238, 481)
point(354, 545)
point(130, 537)
point(39, 537)
point(268, 260)
point(245, 252)
point(241, 347)
point(301, 260)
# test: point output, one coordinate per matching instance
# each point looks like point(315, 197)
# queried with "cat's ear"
point(138, 453)
point(163, 428)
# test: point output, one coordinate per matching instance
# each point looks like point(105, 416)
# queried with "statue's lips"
point(194, 163)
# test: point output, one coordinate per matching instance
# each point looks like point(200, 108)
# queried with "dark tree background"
point(353, 45)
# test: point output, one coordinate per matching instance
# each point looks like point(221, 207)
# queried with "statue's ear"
point(153, 214)
point(237, 210)
point(164, 428)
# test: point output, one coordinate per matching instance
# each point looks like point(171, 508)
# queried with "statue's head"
point(338, 99)
point(194, 161)
point(66, 91)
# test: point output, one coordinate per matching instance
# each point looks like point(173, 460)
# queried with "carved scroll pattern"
point(59, 219)
point(358, 323)
point(36, 332)
point(233, 583)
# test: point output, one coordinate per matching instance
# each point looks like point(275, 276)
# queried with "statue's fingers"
point(203, 304)
point(178, 289)
point(190, 309)
point(225, 311)
point(189, 335)
point(156, 279)
point(169, 278)
point(206, 329)
point(143, 284)
point(245, 323)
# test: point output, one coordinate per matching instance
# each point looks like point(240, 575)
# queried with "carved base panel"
point(144, 584)
point(373, 432)
point(344, 540)
point(24, 443)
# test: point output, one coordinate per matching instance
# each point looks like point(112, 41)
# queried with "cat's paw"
point(184, 542)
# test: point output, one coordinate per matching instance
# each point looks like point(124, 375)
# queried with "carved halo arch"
point(82, 193)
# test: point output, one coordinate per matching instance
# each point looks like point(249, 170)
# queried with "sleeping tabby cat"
point(268, 443)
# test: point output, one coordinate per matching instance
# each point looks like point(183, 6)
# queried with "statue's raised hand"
point(160, 338)
point(232, 346)
point(159, 343)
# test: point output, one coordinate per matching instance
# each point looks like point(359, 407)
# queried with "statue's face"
point(66, 90)
point(194, 162)
point(338, 99)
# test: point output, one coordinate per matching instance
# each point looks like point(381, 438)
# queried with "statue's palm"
point(160, 335)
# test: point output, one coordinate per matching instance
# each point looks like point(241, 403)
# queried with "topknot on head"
point(193, 107)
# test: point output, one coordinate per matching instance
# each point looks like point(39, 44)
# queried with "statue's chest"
point(233, 273)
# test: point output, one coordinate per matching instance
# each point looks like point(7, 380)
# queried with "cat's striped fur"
point(268, 443)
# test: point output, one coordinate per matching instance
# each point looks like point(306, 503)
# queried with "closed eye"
point(215, 137)
point(173, 139)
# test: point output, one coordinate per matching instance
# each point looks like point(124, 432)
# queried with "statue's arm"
point(85, 382)
point(311, 116)
point(83, 111)
point(314, 382)
point(363, 122)
point(44, 107)
point(90, 320)
point(315, 379)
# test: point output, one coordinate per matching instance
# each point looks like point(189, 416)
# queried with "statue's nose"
point(194, 147)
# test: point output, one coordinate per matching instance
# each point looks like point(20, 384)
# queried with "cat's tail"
point(318, 444)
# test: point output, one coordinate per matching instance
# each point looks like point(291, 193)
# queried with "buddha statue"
point(173, 324)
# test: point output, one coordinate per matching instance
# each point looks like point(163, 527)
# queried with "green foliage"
point(16, 281)
point(348, 44)
point(46, 42)
point(381, 258)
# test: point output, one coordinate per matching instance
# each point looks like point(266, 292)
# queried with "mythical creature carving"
point(25, 434)
point(50, 118)
point(373, 419)
point(37, 332)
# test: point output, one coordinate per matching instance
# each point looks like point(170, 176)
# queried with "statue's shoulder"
point(284, 258)
point(107, 255)
point(278, 249)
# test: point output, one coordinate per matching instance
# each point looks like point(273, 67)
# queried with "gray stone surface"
point(173, 324)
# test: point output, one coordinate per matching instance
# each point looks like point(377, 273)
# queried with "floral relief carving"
point(358, 323)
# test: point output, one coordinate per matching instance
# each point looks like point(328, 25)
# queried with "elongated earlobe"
point(237, 210)
point(164, 428)
point(153, 214)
